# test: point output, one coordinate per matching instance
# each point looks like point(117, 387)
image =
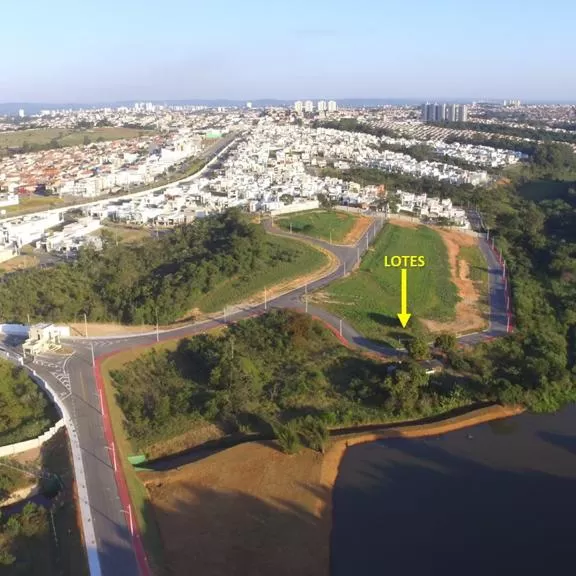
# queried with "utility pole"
point(85, 326)
point(306, 303)
point(290, 227)
point(28, 315)
point(344, 264)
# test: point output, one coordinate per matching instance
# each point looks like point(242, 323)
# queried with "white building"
point(298, 106)
point(332, 107)
point(308, 106)
point(322, 107)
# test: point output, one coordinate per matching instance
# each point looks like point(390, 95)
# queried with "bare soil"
point(469, 317)
point(253, 510)
point(361, 225)
point(247, 510)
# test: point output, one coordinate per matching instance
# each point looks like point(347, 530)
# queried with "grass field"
point(370, 298)
point(65, 137)
point(238, 289)
point(319, 224)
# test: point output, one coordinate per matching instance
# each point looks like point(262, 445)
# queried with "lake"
point(493, 499)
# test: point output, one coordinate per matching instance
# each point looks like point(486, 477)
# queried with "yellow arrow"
point(404, 316)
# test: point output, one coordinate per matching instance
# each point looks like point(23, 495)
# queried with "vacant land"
point(124, 233)
point(370, 297)
point(63, 137)
point(326, 225)
point(469, 272)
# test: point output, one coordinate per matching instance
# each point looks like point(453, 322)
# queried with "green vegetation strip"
point(333, 225)
point(25, 412)
point(370, 298)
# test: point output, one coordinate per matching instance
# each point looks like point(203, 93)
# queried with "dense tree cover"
point(352, 125)
point(158, 278)
point(524, 146)
point(423, 152)
point(24, 410)
point(19, 535)
point(398, 181)
point(514, 131)
point(536, 365)
point(265, 373)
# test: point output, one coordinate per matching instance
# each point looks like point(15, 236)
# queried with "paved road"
point(74, 378)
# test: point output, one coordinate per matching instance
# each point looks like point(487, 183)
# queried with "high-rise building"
point(21, 113)
point(298, 107)
point(441, 113)
point(248, 104)
point(321, 105)
point(308, 106)
point(332, 107)
point(424, 112)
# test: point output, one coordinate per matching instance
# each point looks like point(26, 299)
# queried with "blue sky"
point(99, 50)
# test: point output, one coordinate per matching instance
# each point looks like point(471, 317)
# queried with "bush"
point(313, 433)
point(288, 438)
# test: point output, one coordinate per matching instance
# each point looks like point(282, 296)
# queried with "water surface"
point(493, 499)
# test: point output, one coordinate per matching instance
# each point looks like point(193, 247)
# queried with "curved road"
point(74, 379)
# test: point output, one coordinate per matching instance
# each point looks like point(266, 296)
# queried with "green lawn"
point(64, 137)
point(319, 224)
point(370, 298)
point(307, 259)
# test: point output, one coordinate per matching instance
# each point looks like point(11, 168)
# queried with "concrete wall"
point(296, 207)
point(20, 447)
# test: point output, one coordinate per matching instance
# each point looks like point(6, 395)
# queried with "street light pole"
point(92, 350)
point(85, 326)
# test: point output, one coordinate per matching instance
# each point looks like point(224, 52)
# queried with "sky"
point(113, 50)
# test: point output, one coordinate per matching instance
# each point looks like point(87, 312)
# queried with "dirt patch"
point(253, 510)
point(194, 437)
point(469, 317)
point(405, 223)
point(361, 225)
point(19, 263)
point(247, 510)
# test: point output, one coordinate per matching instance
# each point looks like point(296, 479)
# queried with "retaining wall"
point(19, 447)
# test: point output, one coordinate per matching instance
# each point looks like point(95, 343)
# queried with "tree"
point(446, 342)
point(87, 140)
point(418, 349)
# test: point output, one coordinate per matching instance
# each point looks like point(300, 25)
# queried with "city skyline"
point(133, 51)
